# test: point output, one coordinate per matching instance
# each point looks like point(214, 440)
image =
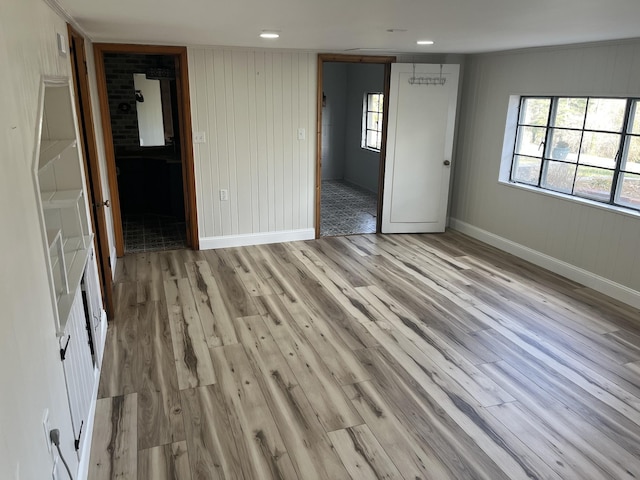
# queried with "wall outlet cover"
point(199, 137)
point(62, 44)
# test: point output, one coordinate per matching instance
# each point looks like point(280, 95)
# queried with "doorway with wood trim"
point(96, 199)
point(146, 119)
point(352, 105)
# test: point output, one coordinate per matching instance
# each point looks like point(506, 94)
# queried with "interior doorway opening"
point(145, 104)
point(352, 113)
point(144, 117)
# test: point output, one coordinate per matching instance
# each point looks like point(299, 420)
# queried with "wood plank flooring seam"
point(372, 356)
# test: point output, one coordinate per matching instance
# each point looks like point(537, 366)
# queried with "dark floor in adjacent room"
point(347, 209)
point(151, 232)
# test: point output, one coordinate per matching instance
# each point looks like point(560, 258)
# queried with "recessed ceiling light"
point(269, 35)
point(425, 42)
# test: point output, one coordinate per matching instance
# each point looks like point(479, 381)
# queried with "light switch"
point(199, 137)
point(302, 134)
point(62, 44)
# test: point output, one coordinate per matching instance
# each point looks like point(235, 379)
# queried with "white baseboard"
point(577, 274)
point(208, 243)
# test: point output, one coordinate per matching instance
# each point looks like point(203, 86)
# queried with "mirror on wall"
point(153, 106)
point(149, 108)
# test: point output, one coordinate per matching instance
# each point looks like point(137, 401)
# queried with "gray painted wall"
point(600, 241)
point(361, 166)
point(334, 115)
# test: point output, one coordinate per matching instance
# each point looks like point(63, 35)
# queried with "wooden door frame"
point(186, 144)
point(93, 180)
point(342, 58)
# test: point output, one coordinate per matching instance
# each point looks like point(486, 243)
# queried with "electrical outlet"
point(224, 195)
point(302, 134)
point(47, 428)
point(199, 137)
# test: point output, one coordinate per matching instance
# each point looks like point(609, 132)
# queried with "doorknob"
point(106, 203)
point(447, 162)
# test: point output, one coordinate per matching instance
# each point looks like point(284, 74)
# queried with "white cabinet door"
point(419, 146)
point(78, 368)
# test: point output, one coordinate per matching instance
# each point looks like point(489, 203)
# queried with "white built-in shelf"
point(50, 150)
point(76, 253)
point(73, 244)
point(53, 236)
point(60, 198)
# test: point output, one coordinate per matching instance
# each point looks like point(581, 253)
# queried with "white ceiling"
point(457, 26)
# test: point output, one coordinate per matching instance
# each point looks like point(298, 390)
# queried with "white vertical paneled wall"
point(594, 246)
point(250, 104)
point(31, 374)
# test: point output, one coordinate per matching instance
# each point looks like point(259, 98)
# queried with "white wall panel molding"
point(62, 12)
point(228, 241)
point(586, 278)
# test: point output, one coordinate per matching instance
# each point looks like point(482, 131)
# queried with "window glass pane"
point(570, 112)
point(535, 111)
point(632, 161)
point(605, 114)
point(526, 170)
point(530, 141)
point(600, 149)
point(559, 176)
point(634, 124)
point(629, 191)
point(374, 102)
point(378, 102)
point(565, 145)
point(593, 183)
point(373, 139)
point(372, 120)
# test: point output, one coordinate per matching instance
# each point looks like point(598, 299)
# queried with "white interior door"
point(422, 115)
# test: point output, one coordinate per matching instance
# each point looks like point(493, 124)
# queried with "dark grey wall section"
point(334, 115)
point(361, 165)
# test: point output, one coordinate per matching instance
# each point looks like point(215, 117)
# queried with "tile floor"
point(346, 209)
point(150, 232)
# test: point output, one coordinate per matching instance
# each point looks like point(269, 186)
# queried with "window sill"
point(370, 149)
point(570, 198)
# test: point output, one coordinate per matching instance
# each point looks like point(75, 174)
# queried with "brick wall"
point(119, 70)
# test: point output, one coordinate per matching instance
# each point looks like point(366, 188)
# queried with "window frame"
point(365, 125)
point(631, 115)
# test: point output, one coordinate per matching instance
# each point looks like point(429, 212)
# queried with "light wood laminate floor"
point(364, 357)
